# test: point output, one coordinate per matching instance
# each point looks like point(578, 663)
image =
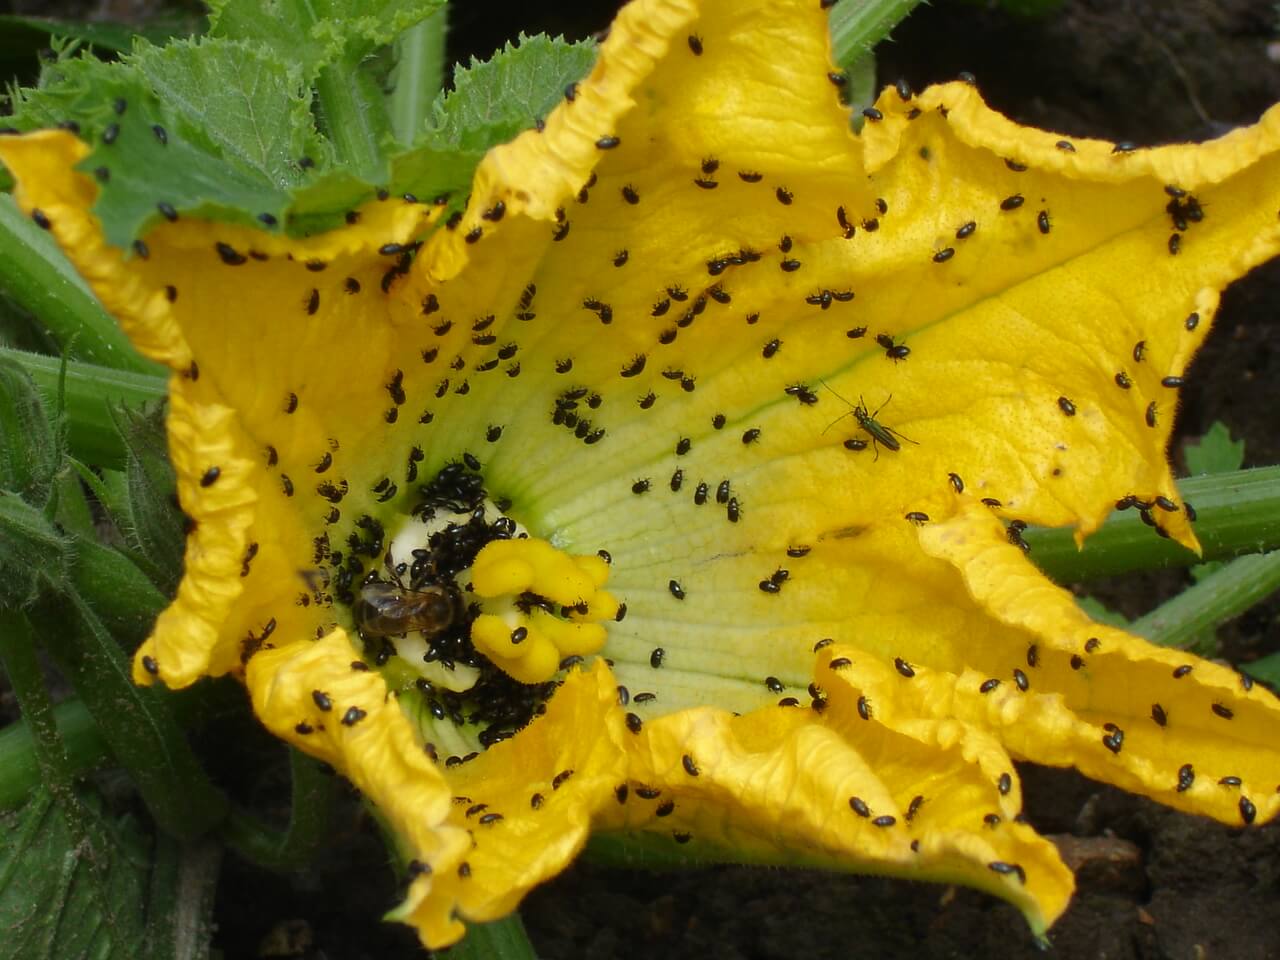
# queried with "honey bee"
point(387, 609)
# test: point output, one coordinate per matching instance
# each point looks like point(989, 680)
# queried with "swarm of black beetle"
point(497, 701)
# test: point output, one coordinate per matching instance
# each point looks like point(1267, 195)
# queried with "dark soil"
point(1154, 883)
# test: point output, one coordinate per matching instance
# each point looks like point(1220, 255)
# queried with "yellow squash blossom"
point(674, 487)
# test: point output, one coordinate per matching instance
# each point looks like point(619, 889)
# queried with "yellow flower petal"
point(829, 788)
point(43, 164)
point(527, 805)
point(770, 369)
point(1153, 720)
point(250, 420)
point(212, 472)
point(317, 697)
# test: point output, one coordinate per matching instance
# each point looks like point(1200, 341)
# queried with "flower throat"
point(413, 613)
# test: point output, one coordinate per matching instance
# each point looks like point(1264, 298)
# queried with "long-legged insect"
point(879, 432)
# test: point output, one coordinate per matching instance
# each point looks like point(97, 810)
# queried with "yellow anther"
point(569, 638)
point(497, 638)
point(604, 606)
point(494, 574)
point(516, 566)
point(538, 661)
point(594, 567)
point(530, 646)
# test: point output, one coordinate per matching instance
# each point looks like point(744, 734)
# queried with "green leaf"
point(254, 108)
point(147, 152)
point(137, 722)
point(236, 124)
point(858, 25)
point(495, 99)
point(121, 595)
point(148, 168)
point(68, 90)
point(490, 103)
point(317, 32)
point(236, 119)
point(321, 203)
point(63, 895)
point(1215, 452)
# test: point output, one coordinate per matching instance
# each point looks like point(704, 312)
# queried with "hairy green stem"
point(90, 392)
point(86, 747)
point(118, 592)
point(503, 939)
point(310, 813)
point(1237, 513)
point(22, 666)
point(858, 25)
point(137, 723)
point(1218, 597)
point(36, 275)
point(17, 650)
point(419, 76)
point(70, 508)
point(354, 113)
point(19, 764)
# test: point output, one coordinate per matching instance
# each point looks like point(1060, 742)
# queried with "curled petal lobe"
point(258, 411)
point(841, 791)
point(214, 486)
point(309, 694)
point(528, 804)
point(1123, 710)
point(43, 164)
